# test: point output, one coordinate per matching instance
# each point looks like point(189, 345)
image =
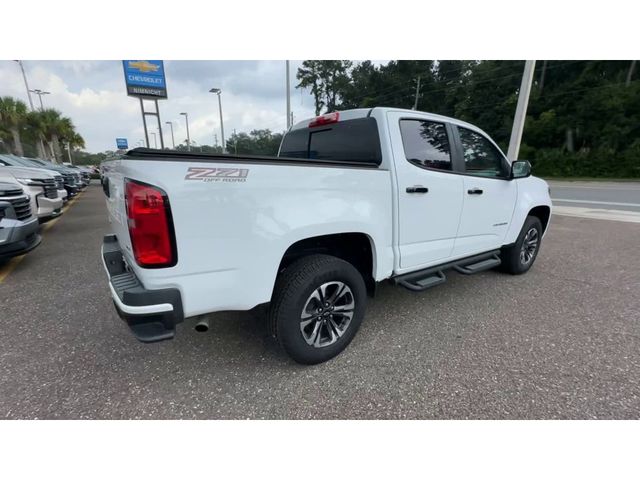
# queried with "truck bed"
point(235, 217)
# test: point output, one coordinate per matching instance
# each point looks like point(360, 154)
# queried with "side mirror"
point(520, 169)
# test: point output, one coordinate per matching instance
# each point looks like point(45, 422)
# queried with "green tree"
point(13, 116)
point(256, 142)
point(327, 80)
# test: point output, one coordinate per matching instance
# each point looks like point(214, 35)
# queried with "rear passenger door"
point(489, 195)
point(429, 193)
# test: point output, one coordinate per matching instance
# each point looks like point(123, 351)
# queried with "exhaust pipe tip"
point(202, 325)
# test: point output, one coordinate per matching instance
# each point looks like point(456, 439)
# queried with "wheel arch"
point(543, 213)
point(356, 248)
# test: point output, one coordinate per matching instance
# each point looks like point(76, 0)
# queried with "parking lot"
point(562, 341)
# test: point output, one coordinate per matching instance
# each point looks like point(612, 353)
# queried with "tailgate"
point(113, 187)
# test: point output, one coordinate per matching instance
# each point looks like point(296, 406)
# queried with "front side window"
point(481, 157)
point(426, 144)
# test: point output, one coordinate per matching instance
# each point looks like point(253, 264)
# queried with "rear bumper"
point(152, 315)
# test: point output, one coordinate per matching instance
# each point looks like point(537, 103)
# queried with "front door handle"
point(417, 189)
point(474, 191)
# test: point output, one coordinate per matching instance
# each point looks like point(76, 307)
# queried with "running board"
point(480, 266)
point(432, 276)
point(422, 283)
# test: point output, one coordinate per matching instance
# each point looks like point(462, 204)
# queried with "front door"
point(489, 195)
point(429, 194)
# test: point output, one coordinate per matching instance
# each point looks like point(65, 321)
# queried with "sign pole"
point(144, 122)
point(145, 79)
point(159, 124)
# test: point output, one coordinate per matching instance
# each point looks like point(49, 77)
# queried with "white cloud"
point(92, 94)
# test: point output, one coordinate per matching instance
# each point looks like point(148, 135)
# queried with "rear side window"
point(426, 144)
point(354, 140)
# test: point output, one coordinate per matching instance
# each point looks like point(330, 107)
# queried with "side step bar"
point(432, 276)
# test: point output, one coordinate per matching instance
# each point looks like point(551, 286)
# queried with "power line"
point(560, 94)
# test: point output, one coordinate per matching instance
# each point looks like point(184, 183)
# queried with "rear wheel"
point(520, 256)
point(317, 307)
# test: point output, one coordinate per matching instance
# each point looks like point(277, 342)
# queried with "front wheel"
point(519, 257)
point(317, 307)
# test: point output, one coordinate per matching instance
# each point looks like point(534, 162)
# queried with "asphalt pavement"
point(562, 341)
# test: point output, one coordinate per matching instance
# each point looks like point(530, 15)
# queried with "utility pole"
point(288, 98)
point(632, 67)
point(415, 104)
point(521, 110)
point(26, 84)
point(542, 75)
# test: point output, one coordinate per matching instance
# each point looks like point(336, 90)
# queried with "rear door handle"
point(417, 189)
point(474, 191)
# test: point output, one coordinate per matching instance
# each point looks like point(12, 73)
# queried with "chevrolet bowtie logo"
point(144, 66)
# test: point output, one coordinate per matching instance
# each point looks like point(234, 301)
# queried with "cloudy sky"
point(93, 95)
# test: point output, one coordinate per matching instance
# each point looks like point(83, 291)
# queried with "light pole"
point(26, 84)
point(155, 139)
point(40, 93)
point(288, 90)
point(173, 141)
point(186, 119)
point(218, 92)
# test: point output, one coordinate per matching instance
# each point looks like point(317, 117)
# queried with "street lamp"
point(40, 93)
point(218, 92)
point(155, 140)
point(186, 118)
point(173, 142)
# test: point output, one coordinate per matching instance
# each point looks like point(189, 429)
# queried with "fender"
point(532, 192)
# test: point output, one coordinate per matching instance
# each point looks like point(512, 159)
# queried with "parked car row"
point(32, 191)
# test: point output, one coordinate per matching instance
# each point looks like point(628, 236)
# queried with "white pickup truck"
point(353, 198)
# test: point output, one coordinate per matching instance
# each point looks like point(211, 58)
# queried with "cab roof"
point(364, 112)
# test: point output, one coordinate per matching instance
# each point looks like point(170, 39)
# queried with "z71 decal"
point(217, 174)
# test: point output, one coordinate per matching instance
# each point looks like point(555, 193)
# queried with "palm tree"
point(13, 115)
point(54, 127)
point(36, 127)
point(71, 138)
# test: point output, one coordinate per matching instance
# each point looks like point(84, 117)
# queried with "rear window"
point(354, 140)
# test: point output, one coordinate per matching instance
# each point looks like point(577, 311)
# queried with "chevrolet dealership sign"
point(145, 78)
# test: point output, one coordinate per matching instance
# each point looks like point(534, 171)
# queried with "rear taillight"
point(325, 119)
point(150, 225)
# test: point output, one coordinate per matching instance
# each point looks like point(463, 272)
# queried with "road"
point(562, 341)
point(617, 195)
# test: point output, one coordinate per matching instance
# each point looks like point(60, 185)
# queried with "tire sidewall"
point(528, 224)
point(288, 326)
